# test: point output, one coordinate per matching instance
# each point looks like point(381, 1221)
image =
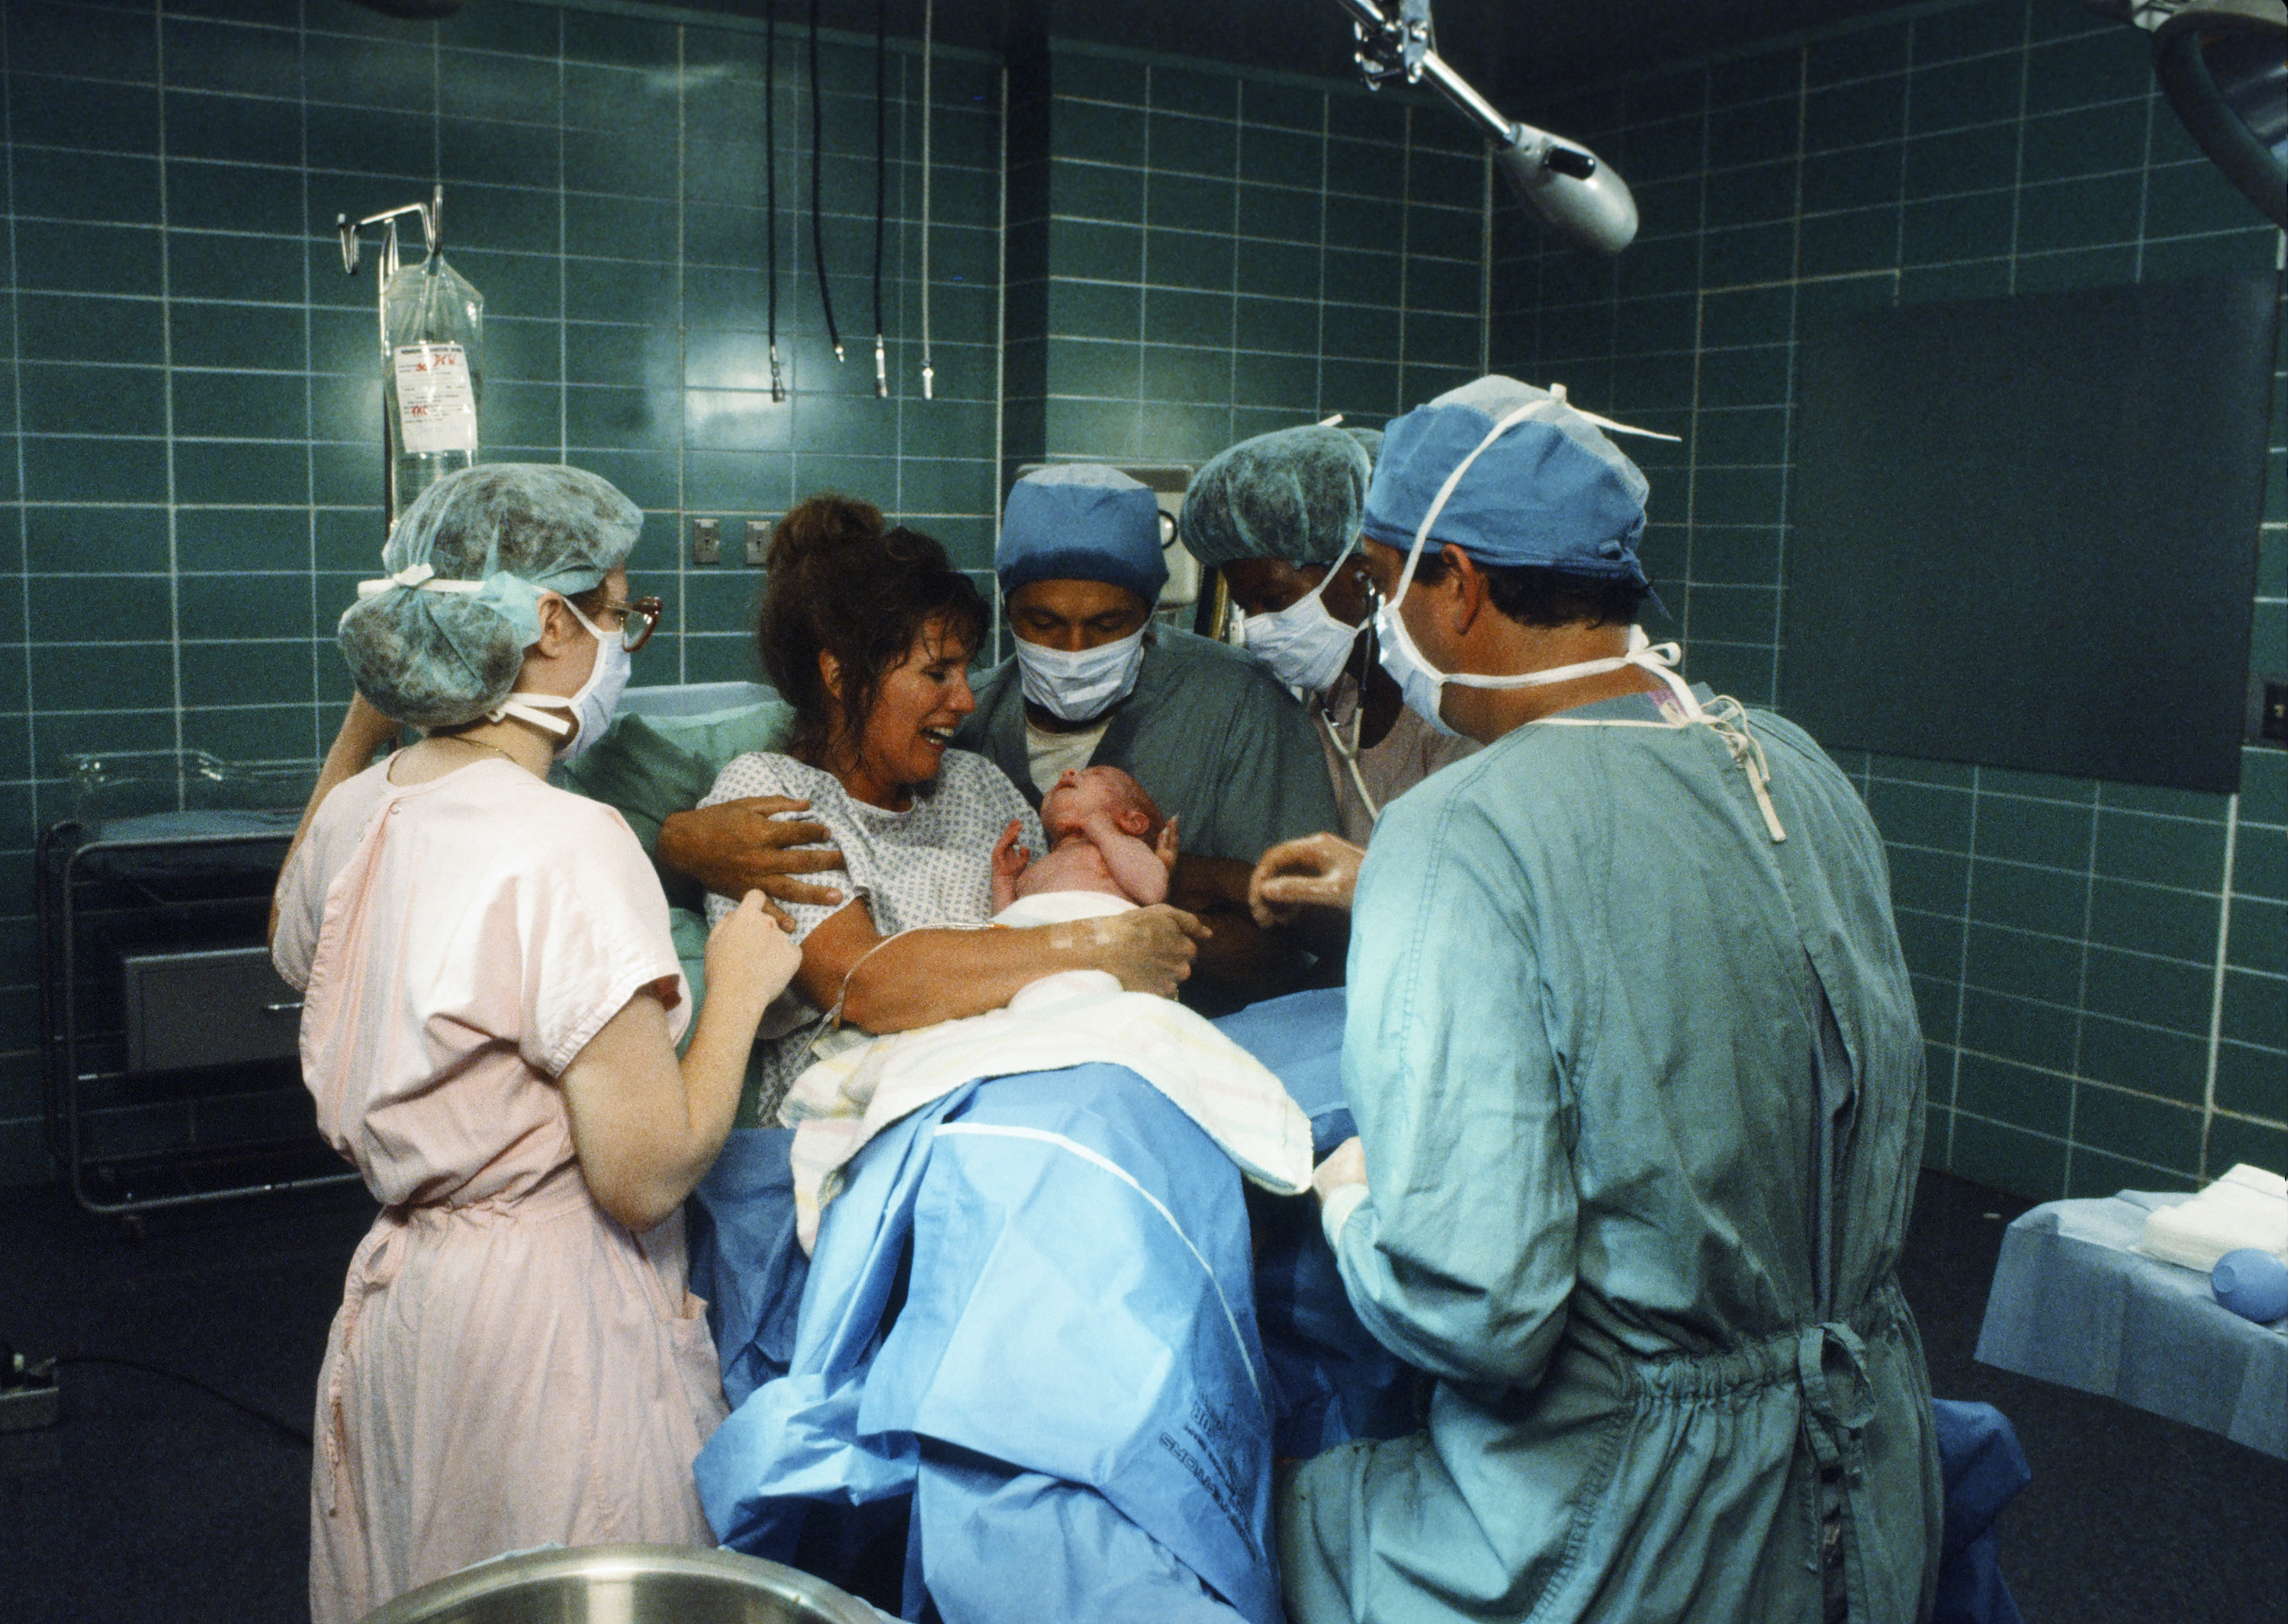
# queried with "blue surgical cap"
point(1552, 492)
point(1082, 521)
point(438, 658)
point(1292, 494)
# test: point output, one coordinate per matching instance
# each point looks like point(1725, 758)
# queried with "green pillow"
point(652, 767)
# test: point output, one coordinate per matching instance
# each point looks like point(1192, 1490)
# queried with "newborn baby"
point(1105, 836)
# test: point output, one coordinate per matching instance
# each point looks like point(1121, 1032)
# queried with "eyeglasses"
point(638, 621)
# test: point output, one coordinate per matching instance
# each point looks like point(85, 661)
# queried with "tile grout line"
point(2216, 1004)
point(1405, 223)
point(1787, 398)
point(682, 357)
point(16, 385)
point(1326, 175)
point(167, 396)
point(1001, 342)
point(1962, 971)
point(2081, 984)
point(2018, 123)
point(317, 739)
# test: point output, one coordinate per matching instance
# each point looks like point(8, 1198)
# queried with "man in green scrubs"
point(1638, 1090)
point(1220, 746)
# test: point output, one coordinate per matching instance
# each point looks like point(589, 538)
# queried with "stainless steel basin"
point(627, 1584)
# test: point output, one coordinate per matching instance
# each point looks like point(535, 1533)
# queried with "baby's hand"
point(1009, 861)
point(1009, 857)
point(1164, 848)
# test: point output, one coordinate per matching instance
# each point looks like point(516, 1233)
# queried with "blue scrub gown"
point(1590, 1054)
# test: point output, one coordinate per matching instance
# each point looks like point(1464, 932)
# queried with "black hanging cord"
point(881, 172)
point(817, 210)
point(770, 184)
point(250, 1411)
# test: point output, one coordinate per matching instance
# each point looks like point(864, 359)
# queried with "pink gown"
point(510, 1367)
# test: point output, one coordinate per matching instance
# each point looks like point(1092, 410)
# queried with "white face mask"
point(1302, 645)
point(1080, 687)
point(592, 707)
point(1422, 685)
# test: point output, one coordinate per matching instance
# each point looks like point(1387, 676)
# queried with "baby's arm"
point(1135, 868)
point(1009, 860)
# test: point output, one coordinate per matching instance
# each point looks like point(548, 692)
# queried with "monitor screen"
point(2023, 532)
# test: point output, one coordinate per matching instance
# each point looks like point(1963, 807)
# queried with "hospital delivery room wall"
point(189, 483)
point(189, 486)
point(2102, 967)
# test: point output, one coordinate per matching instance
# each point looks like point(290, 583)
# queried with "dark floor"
point(154, 1501)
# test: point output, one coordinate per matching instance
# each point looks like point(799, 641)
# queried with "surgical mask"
point(1302, 645)
point(1422, 685)
point(590, 708)
point(1080, 687)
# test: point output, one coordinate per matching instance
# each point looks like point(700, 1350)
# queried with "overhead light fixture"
point(2223, 64)
point(1562, 181)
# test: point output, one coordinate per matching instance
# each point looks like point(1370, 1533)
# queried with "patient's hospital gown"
point(929, 865)
point(510, 1365)
point(1584, 1052)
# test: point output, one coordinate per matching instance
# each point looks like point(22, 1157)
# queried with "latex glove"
point(1318, 869)
point(1340, 1182)
point(738, 846)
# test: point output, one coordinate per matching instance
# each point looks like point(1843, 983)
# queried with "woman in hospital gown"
point(513, 1364)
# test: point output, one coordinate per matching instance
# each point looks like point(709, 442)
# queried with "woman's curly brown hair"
point(841, 584)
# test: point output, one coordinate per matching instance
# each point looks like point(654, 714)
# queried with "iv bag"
point(432, 374)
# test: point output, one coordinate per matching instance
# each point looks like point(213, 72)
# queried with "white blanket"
point(2248, 1207)
point(1068, 1019)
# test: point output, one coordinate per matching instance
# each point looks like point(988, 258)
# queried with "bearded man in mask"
point(1094, 682)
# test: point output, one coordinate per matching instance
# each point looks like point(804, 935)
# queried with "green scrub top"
point(1216, 742)
point(1589, 1058)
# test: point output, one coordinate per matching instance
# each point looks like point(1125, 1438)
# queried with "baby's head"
point(1082, 793)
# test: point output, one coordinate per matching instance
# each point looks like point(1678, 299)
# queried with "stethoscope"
point(1363, 655)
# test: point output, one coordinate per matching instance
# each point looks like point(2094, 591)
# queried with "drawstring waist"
point(1824, 1359)
point(1826, 1362)
point(380, 1256)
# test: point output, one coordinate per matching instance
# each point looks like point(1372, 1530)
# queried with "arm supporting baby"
point(921, 976)
point(646, 1127)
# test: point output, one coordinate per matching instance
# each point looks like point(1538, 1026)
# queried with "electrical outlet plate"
point(706, 541)
point(759, 542)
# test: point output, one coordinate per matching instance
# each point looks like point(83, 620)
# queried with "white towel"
point(2248, 1207)
point(1066, 1019)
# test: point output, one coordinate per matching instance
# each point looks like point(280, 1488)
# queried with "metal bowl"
point(627, 1584)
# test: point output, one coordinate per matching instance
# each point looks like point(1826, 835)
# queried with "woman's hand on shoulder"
point(1150, 950)
point(750, 955)
point(734, 847)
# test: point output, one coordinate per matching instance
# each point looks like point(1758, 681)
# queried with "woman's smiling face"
point(921, 700)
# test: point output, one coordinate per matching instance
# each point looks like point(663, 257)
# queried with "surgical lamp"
point(2223, 64)
point(1580, 199)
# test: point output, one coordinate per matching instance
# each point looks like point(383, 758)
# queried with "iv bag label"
point(436, 405)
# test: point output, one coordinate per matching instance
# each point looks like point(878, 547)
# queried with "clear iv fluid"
point(433, 375)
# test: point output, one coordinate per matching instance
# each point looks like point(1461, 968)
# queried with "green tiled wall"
point(2103, 968)
point(1196, 256)
point(190, 477)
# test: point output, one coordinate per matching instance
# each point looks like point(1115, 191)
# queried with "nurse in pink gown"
point(492, 999)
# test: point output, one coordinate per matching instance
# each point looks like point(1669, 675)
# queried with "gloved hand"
point(1320, 869)
point(1340, 1182)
